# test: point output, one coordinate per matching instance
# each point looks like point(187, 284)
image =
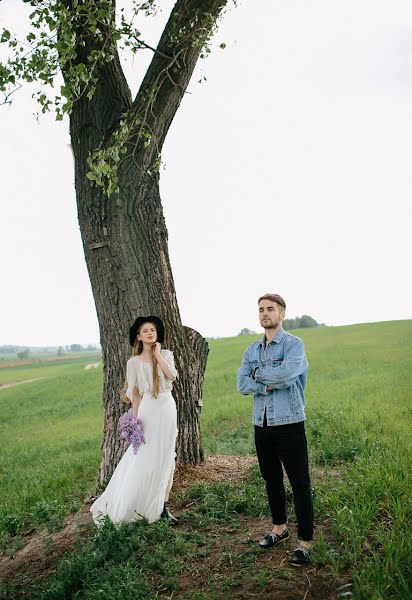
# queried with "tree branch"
point(187, 30)
point(112, 95)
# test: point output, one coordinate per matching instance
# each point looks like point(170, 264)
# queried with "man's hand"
point(269, 389)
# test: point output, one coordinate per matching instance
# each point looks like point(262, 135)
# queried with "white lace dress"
point(138, 485)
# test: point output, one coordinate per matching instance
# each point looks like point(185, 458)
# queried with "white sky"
point(287, 171)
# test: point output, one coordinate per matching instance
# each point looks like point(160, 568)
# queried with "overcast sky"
point(287, 171)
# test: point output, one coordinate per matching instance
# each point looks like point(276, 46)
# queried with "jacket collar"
point(278, 337)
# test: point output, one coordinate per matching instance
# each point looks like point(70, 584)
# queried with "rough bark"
point(125, 237)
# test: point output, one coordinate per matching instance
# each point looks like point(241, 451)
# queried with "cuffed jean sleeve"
point(261, 388)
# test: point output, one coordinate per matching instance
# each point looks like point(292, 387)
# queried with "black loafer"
point(300, 558)
point(167, 515)
point(271, 539)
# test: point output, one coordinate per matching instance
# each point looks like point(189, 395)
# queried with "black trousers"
point(286, 445)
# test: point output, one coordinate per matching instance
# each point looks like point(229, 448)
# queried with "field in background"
point(14, 369)
point(359, 422)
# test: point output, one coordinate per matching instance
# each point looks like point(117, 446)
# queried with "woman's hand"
point(168, 369)
point(156, 349)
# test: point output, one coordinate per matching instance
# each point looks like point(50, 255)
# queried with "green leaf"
point(222, 45)
point(5, 36)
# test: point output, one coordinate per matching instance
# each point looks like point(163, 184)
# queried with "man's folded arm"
point(283, 385)
point(293, 365)
point(246, 385)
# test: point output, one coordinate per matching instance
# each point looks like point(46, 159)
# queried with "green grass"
point(141, 561)
point(51, 432)
point(359, 422)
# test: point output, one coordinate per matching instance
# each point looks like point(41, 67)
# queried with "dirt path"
point(39, 557)
point(13, 383)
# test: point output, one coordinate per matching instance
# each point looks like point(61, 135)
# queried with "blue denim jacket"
point(281, 365)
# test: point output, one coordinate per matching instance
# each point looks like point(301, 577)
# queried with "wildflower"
point(131, 430)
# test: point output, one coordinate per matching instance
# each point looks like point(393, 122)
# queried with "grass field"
point(50, 431)
point(359, 413)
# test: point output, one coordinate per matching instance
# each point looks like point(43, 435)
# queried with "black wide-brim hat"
point(160, 328)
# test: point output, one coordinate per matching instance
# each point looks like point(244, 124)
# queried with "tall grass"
point(359, 415)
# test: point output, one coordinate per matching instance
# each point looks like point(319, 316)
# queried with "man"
point(274, 371)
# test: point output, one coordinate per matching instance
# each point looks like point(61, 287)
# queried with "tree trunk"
point(124, 236)
point(125, 245)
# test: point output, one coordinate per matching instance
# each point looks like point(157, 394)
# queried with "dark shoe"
point(300, 557)
point(274, 538)
point(167, 515)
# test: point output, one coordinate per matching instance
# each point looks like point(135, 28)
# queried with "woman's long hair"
point(138, 349)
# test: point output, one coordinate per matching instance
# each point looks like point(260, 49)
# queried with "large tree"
point(117, 142)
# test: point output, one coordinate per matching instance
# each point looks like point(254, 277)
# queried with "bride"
point(140, 485)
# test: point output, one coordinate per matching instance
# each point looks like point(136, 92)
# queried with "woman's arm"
point(132, 386)
point(167, 366)
point(135, 400)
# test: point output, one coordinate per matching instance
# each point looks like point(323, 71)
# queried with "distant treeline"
point(24, 351)
point(296, 323)
point(301, 322)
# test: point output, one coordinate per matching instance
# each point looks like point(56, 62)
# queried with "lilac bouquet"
point(131, 430)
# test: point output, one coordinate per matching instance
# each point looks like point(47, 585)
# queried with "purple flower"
point(131, 430)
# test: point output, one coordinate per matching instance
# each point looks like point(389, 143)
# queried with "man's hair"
point(274, 298)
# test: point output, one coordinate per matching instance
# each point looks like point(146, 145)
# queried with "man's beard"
point(270, 324)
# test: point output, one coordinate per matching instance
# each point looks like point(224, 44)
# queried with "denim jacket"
point(281, 365)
